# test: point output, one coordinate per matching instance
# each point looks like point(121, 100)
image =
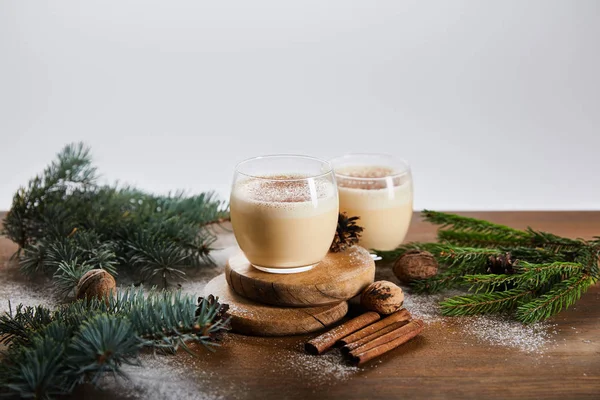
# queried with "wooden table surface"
point(445, 362)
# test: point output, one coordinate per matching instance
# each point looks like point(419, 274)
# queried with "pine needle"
point(538, 273)
point(479, 239)
point(562, 295)
point(484, 303)
point(63, 215)
point(52, 351)
point(467, 224)
point(491, 282)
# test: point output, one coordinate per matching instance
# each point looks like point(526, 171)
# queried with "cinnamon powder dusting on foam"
point(368, 177)
point(365, 171)
point(285, 188)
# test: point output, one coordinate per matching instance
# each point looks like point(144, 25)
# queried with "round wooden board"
point(255, 319)
point(339, 277)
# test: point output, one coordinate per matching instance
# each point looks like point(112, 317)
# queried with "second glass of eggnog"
point(378, 189)
point(284, 211)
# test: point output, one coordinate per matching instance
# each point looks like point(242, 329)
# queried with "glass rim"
point(385, 155)
point(296, 156)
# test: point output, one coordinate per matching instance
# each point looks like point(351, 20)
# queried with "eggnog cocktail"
point(379, 190)
point(284, 212)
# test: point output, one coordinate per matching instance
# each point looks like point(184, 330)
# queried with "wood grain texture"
point(339, 277)
point(441, 363)
point(251, 318)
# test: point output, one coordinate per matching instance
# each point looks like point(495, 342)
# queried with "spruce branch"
point(462, 230)
point(84, 246)
point(435, 284)
point(589, 256)
point(539, 255)
point(535, 273)
point(480, 239)
point(562, 295)
point(466, 224)
point(538, 274)
point(33, 207)
point(491, 282)
point(465, 259)
point(156, 258)
point(527, 276)
point(103, 344)
point(52, 351)
point(33, 259)
point(67, 276)
point(456, 262)
point(484, 303)
point(63, 215)
point(17, 327)
point(447, 254)
point(553, 242)
point(36, 371)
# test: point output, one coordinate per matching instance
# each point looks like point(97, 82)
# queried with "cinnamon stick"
point(387, 342)
point(325, 341)
point(391, 327)
point(401, 315)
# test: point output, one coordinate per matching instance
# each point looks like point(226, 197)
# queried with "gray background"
point(496, 104)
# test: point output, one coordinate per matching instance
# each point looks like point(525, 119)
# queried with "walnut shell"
point(415, 265)
point(383, 297)
point(96, 283)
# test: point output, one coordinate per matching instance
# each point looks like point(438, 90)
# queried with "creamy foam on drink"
point(281, 223)
point(383, 205)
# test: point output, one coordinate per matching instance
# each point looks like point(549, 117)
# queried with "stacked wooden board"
point(265, 304)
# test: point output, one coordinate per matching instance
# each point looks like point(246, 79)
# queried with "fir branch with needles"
point(454, 262)
point(477, 239)
point(562, 295)
point(531, 274)
point(490, 282)
point(50, 352)
point(468, 224)
point(65, 223)
point(462, 231)
point(484, 303)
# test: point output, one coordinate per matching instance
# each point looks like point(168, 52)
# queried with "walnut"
point(415, 265)
point(383, 297)
point(96, 283)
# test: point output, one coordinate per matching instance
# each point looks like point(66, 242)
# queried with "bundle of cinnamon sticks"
point(368, 336)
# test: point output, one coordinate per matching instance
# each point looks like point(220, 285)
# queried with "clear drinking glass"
point(284, 211)
point(378, 188)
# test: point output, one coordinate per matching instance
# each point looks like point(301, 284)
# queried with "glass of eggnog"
point(284, 211)
point(377, 188)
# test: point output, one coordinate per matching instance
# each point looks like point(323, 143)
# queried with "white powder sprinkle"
point(501, 331)
point(18, 289)
point(324, 369)
point(494, 330)
point(313, 370)
point(241, 311)
point(163, 378)
point(423, 306)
